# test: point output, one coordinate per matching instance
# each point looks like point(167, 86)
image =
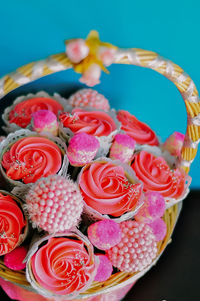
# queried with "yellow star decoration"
point(93, 42)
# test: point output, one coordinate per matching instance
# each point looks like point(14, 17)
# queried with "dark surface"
point(176, 275)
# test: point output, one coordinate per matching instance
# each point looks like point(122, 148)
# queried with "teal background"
point(32, 30)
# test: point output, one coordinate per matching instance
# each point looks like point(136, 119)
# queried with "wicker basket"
point(139, 57)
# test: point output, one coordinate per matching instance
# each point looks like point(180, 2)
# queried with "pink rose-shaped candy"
point(77, 50)
point(91, 76)
point(107, 55)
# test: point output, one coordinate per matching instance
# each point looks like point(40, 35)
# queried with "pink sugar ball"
point(105, 268)
point(122, 148)
point(153, 207)
point(82, 149)
point(137, 248)
point(14, 259)
point(89, 98)
point(159, 229)
point(45, 121)
point(174, 143)
point(104, 234)
point(54, 204)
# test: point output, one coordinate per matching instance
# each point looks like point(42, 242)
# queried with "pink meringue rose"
point(91, 76)
point(77, 50)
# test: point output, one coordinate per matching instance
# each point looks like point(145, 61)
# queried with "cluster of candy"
point(114, 175)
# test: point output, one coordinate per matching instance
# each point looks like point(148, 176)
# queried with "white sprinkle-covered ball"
point(54, 204)
point(89, 98)
point(137, 248)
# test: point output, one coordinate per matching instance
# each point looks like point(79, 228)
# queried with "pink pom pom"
point(54, 204)
point(91, 76)
point(137, 248)
point(89, 98)
point(77, 50)
point(174, 143)
point(105, 268)
point(104, 234)
point(153, 207)
point(159, 229)
point(14, 260)
point(107, 55)
point(82, 149)
point(122, 148)
point(45, 121)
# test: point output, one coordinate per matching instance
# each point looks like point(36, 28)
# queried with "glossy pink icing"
point(12, 223)
point(22, 112)
point(136, 129)
point(106, 189)
point(31, 158)
point(63, 266)
point(156, 175)
point(96, 123)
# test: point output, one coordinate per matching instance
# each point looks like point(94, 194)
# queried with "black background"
point(176, 275)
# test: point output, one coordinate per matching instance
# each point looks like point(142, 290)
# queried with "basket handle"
point(134, 56)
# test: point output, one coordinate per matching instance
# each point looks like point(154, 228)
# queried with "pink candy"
point(104, 234)
point(107, 55)
point(174, 143)
point(82, 149)
point(14, 259)
point(54, 204)
point(91, 75)
point(89, 98)
point(136, 249)
point(159, 229)
point(122, 148)
point(77, 50)
point(105, 268)
point(153, 207)
point(45, 121)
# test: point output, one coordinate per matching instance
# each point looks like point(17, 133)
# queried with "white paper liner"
point(19, 188)
point(25, 233)
point(172, 162)
point(12, 127)
point(35, 246)
point(90, 215)
point(104, 141)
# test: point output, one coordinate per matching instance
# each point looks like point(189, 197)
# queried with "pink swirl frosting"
point(106, 189)
point(96, 123)
point(22, 112)
point(12, 223)
point(156, 175)
point(63, 266)
point(136, 129)
point(31, 158)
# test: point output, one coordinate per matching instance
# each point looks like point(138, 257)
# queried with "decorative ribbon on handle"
point(90, 56)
